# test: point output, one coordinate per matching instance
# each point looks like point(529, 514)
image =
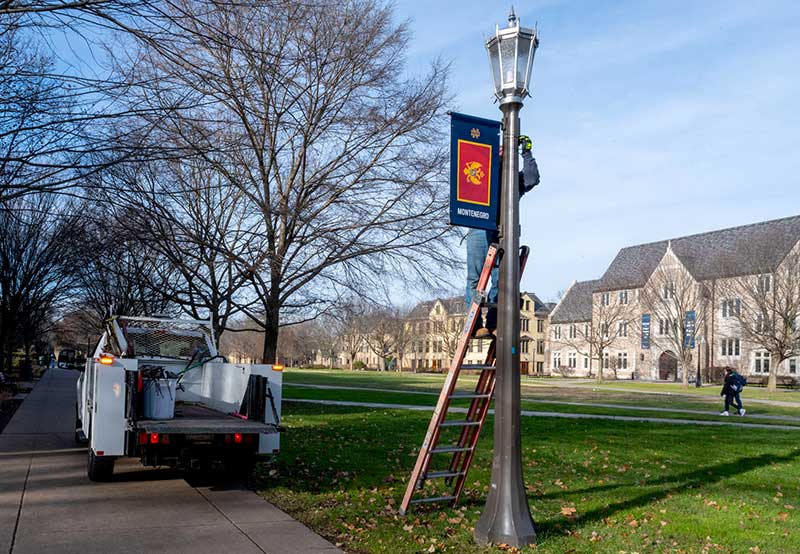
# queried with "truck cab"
point(223, 415)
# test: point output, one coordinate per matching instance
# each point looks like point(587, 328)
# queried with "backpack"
point(739, 382)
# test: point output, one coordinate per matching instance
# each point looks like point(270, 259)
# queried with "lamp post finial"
point(512, 18)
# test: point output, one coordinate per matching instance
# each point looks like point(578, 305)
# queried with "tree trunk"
point(686, 366)
point(269, 354)
point(600, 366)
point(772, 379)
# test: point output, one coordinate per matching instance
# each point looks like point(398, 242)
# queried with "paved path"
point(530, 413)
point(48, 505)
point(557, 402)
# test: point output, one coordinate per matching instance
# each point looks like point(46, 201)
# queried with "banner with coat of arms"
point(474, 171)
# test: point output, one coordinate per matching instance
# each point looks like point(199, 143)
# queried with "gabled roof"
point(576, 304)
point(453, 305)
point(713, 255)
point(539, 307)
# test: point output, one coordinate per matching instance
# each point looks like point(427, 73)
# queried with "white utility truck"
point(156, 389)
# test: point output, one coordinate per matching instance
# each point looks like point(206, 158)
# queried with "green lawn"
point(594, 485)
point(709, 402)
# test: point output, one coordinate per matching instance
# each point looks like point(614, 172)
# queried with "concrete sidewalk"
point(48, 505)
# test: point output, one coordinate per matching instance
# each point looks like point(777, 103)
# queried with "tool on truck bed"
point(461, 452)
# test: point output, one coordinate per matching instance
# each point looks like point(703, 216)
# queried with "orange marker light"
point(105, 359)
point(277, 367)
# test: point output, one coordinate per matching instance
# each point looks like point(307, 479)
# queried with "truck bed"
point(193, 419)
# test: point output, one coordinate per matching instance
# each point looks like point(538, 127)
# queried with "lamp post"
point(506, 517)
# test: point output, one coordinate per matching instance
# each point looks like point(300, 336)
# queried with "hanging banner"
point(645, 331)
point(474, 171)
point(689, 328)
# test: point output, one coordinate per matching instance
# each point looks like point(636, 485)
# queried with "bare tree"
point(379, 334)
point(612, 321)
point(36, 262)
point(341, 160)
point(670, 295)
point(766, 304)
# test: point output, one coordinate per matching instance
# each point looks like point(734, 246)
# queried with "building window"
point(622, 297)
point(605, 360)
point(540, 346)
point(604, 328)
point(556, 359)
point(539, 367)
point(764, 283)
point(668, 291)
point(662, 327)
point(730, 347)
point(480, 346)
point(573, 331)
point(622, 360)
point(606, 299)
point(572, 360)
point(524, 346)
point(586, 362)
point(622, 329)
point(731, 307)
point(585, 330)
point(525, 324)
point(792, 365)
point(427, 346)
point(762, 362)
point(557, 332)
point(527, 305)
point(540, 326)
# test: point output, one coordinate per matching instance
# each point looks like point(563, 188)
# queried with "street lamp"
point(506, 519)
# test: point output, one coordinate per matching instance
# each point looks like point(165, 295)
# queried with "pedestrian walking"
point(731, 390)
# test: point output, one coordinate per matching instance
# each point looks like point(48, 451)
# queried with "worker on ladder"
point(478, 241)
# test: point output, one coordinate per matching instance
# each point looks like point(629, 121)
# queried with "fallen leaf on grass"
point(568, 511)
point(783, 516)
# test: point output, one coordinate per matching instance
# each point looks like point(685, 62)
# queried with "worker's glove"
point(526, 143)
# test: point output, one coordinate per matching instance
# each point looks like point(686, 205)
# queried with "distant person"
point(478, 241)
point(731, 389)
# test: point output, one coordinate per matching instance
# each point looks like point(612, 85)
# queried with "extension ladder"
point(462, 451)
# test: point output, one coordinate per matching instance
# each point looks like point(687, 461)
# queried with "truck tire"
point(78, 438)
point(99, 468)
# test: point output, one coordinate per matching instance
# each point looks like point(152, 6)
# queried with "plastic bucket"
point(159, 398)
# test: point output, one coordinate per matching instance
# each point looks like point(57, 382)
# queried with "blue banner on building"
point(689, 329)
point(645, 331)
point(474, 171)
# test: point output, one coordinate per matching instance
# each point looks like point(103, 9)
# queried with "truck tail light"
point(164, 439)
point(142, 437)
point(237, 438)
point(153, 438)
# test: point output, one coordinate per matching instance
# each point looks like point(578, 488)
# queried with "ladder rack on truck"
point(218, 414)
point(462, 450)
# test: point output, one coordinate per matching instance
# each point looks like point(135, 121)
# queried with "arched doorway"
point(668, 366)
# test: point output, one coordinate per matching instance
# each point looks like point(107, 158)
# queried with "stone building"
point(685, 304)
point(434, 327)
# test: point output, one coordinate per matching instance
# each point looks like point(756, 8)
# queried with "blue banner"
point(689, 329)
point(474, 171)
point(645, 331)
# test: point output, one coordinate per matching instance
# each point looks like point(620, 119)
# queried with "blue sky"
point(650, 120)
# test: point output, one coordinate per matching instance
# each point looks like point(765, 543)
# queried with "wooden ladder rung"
point(449, 449)
point(469, 395)
point(433, 499)
point(442, 474)
point(459, 423)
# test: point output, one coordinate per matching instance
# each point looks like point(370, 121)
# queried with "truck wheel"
point(99, 468)
point(78, 425)
point(240, 467)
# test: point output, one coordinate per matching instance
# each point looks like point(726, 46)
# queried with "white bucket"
point(159, 398)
